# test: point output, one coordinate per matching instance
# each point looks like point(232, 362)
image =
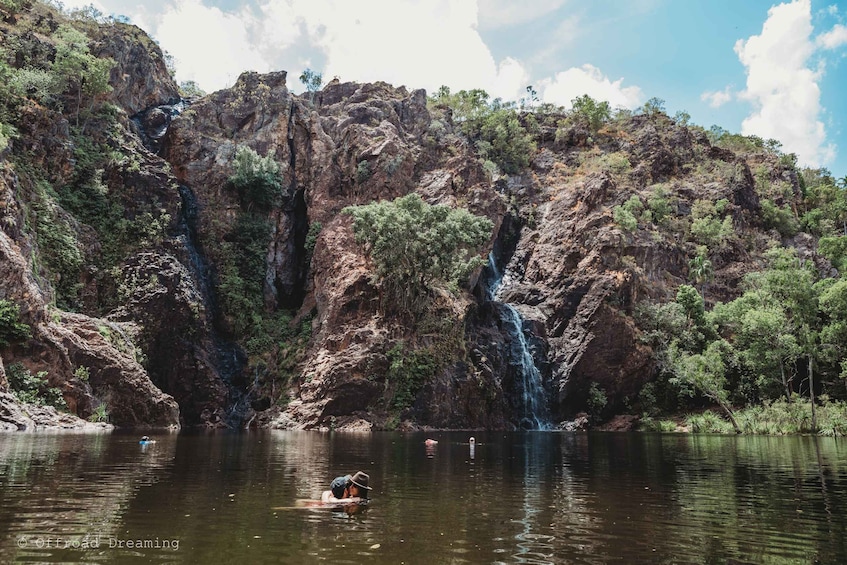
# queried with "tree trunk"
point(812, 395)
point(725, 407)
point(784, 382)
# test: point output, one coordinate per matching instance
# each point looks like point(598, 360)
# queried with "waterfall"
point(152, 124)
point(534, 410)
point(227, 358)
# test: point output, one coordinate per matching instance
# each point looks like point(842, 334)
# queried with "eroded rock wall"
point(160, 348)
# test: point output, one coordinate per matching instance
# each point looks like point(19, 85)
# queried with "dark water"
point(535, 497)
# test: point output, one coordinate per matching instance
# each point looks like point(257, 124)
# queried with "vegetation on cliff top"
point(784, 333)
point(48, 74)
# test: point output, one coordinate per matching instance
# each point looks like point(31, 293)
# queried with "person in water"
point(348, 489)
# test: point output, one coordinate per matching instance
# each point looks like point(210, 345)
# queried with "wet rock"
point(167, 304)
point(621, 423)
point(17, 416)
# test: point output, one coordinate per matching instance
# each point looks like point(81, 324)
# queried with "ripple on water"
point(526, 498)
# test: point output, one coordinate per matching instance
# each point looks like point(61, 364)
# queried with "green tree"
point(256, 178)
point(790, 285)
point(707, 228)
point(659, 204)
point(834, 249)
point(502, 139)
point(493, 126)
point(706, 373)
point(833, 335)
point(764, 341)
point(624, 218)
point(700, 329)
point(11, 328)
point(76, 69)
point(34, 389)
point(653, 107)
point(312, 81)
point(700, 269)
point(824, 205)
point(531, 98)
point(190, 88)
point(682, 118)
point(465, 105)
point(417, 247)
point(589, 112)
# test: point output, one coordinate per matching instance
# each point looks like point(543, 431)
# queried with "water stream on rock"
point(152, 124)
point(227, 356)
point(534, 413)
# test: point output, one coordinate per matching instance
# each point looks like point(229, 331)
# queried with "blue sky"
point(773, 69)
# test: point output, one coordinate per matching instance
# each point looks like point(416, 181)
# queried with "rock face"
point(62, 343)
point(324, 145)
point(15, 416)
point(564, 273)
point(175, 331)
point(74, 340)
point(165, 320)
point(140, 77)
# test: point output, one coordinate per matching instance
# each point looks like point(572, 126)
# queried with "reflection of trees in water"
point(699, 499)
point(524, 497)
point(576, 520)
point(71, 485)
point(765, 498)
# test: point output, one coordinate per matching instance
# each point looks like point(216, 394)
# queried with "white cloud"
point(834, 38)
point(781, 85)
point(717, 98)
point(568, 32)
point(210, 46)
point(501, 13)
point(416, 43)
point(588, 79)
point(403, 42)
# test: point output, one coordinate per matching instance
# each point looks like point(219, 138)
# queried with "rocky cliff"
point(190, 302)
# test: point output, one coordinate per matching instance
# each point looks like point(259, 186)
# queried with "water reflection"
point(530, 497)
point(55, 490)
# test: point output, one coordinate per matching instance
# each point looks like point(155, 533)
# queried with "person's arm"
point(327, 498)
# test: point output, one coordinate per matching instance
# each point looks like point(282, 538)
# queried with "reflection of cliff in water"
point(532, 545)
point(95, 479)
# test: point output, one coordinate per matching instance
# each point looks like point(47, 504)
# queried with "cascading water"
point(228, 358)
point(152, 124)
point(534, 410)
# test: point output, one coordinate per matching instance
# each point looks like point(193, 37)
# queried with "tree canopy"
point(416, 246)
point(493, 126)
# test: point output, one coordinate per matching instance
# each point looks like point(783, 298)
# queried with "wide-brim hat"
point(361, 480)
